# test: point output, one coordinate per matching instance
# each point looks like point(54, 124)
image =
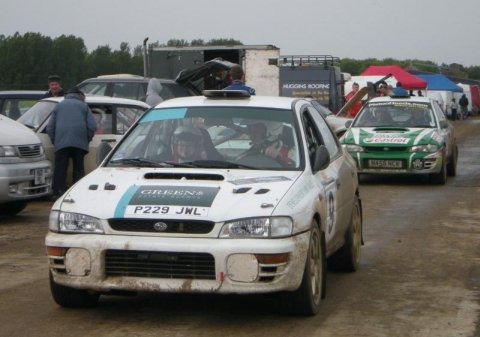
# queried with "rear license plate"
point(388, 164)
point(39, 176)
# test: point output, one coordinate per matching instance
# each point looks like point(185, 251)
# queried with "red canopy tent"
point(408, 81)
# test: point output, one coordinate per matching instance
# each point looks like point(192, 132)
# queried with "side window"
point(125, 117)
point(103, 117)
point(311, 134)
point(442, 120)
point(130, 90)
point(329, 139)
point(99, 89)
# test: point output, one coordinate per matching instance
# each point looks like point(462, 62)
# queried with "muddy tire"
point(72, 298)
point(12, 208)
point(452, 163)
point(306, 299)
point(347, 258)
point(440, 178)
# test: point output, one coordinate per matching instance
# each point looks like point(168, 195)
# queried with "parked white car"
point(113, 116)
point(266, 197)
point(25, 172)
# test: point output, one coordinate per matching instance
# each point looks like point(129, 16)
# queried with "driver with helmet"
point(265, 137)
point(187, 144)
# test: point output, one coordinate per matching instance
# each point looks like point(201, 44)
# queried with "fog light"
point(13, 188)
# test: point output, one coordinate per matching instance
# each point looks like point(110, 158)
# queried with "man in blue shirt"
point(238, 80)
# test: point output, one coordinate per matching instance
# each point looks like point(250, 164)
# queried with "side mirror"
point(348, 123)
point(443, 124)
point(321, 159)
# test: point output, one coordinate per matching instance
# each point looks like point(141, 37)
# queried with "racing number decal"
point(331, 196)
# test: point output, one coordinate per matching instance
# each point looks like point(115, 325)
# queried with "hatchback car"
point(13, 103)
point(403, 135)
point(256, 209)
point(113, 117)
point(130, 86)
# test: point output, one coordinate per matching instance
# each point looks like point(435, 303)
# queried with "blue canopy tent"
point(439, 82)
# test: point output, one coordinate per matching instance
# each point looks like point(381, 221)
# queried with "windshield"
point(396, 114)
point(212, 137)
point(37, 114)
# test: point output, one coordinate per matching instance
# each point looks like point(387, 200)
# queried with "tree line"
point(27, 60)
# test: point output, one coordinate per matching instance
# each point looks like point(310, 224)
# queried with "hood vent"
point(184, 176)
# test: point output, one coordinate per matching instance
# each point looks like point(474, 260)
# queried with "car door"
point(337, 178)
point(113, 120)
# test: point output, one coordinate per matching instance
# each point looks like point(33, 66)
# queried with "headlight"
point(67, 222)
point(272, 227)
point(353, 148)
point(8, 151)
point(430, 148)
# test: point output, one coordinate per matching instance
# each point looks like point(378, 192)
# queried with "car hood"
point(388, 136)
point(218, 195)
point(15, 133)
point(192, 77)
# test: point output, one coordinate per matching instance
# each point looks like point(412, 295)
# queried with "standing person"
point(352, 112)
point(463, 102)
point(238, 80)
point(71, 128)
point(54, 87)
point(453, 110)
point(382, 89)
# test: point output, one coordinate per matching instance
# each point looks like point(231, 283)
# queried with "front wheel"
point(306, 299)
point(72, 298)
point(452, 163)
point(440, 178)
point(347, 258)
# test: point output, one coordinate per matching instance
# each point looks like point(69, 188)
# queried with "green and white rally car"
point(403, 135)
point(221, 193)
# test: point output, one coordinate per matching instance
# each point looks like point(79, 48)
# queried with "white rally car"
point(222, 193)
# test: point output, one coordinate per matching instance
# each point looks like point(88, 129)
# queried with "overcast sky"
point(434, 30)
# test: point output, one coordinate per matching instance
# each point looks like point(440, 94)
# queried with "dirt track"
point(419, 276)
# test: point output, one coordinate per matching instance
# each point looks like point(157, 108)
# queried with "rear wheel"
point(347, 258)
point(72, 298)
point(306, 299)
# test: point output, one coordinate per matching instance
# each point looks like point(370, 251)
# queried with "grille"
point(171, 265)
point(385, 149)
point(28, 151)
point(172, 226)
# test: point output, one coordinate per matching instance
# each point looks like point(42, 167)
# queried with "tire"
point(306, 299)
point(440, 178)
point(452, 163)
point(12, 208)
point(72, 298)
point(347, 258)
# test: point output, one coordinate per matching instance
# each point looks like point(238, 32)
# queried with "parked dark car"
point(13, 103)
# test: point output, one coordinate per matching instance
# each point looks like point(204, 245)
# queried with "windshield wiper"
point(139, 162)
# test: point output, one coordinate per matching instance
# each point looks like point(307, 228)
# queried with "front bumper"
point(162, 264)
point(398, 163)
point(24, 181)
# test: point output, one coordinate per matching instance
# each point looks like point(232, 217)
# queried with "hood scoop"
point(184, 176)
point(390, 129)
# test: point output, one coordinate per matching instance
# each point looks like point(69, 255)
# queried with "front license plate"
point(388, 164)
point(39, 176)
point(153, 211)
